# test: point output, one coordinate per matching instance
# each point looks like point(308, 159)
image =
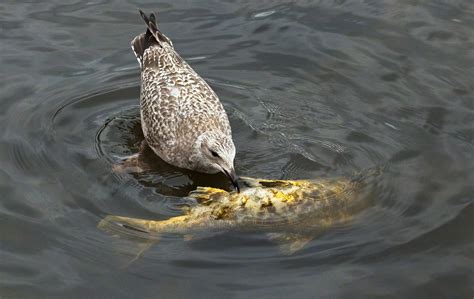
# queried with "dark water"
point(312, 88)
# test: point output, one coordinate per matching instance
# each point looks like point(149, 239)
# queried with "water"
point(312, 88)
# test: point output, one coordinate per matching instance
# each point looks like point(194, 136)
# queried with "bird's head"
point(215, 152)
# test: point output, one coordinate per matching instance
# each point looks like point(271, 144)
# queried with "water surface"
point(312, 88)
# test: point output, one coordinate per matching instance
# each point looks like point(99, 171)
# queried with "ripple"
point(102, 128)
point(376, 89)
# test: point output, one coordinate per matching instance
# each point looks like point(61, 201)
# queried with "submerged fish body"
point(290, 211)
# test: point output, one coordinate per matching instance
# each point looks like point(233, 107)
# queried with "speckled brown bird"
point(182, 118)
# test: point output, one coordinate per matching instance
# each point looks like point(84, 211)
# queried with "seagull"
point(182, 119)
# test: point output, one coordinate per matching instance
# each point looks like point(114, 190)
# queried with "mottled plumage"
point(182, 118)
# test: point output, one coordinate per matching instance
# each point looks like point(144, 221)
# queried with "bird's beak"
point(233, 178)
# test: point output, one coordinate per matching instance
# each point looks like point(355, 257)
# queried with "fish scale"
point(289, 210)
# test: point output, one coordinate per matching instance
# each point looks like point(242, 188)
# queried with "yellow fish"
point(291, 212)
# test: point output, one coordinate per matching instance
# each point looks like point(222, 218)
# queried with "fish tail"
point(113, 223)
point(134, 229)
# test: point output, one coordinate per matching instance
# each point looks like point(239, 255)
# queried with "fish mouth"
point(232, 176)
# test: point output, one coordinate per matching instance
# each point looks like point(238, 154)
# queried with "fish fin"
point(118, 226)
point(289, 243)
point(142, 247)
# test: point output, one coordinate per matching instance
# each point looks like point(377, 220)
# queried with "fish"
point(290, 212)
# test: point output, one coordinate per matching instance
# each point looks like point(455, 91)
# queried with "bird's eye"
point(214, 154)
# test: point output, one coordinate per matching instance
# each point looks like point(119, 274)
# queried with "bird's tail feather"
point(152, 36)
